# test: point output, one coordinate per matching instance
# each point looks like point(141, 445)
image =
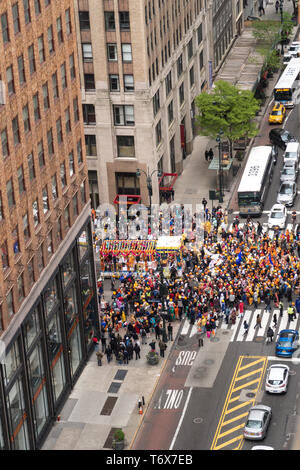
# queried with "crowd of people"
point(220, 277)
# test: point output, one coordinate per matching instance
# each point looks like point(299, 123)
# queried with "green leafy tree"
point(229, 109)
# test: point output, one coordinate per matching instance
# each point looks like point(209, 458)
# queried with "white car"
point(277, 217)
point(294, 48)
point(277, 378)
point(286, 58)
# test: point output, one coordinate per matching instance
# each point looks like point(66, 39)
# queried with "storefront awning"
point(169, 185)
point(130, 199)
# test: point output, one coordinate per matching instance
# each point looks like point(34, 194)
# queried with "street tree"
point(228, 109)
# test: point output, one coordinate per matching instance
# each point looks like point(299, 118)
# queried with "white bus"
point(255, 181)
point(286, 90)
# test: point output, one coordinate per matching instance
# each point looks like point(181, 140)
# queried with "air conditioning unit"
point(2, 93)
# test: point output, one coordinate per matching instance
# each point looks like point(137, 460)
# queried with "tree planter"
point(118, 442)
point(118, 445)
point(152, 358)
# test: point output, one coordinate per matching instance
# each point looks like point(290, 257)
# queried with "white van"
point(292, 152)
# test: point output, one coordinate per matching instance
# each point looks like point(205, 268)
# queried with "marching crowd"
point(229, 270)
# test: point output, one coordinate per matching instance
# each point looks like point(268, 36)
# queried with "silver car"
point(258, 420)
point(289, 172)
point(277, 378)
point(287, 193)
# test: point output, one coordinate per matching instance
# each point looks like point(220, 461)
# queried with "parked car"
point(286, 58)
point(258, 420)
point(289, 172)
point(277, 378)
point(291, 152)
point(277, 217)
point(294, 48)
point(287, 193)
point(277, 114)
point(287, 342)
point(281, 137)
point(262, 448)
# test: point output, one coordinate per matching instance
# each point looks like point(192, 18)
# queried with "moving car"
point(281, 137)
point(287, 342)
point(291, 152)
point(286, 58)
point(277, 217)
point(277, 378)
point(258, 420)
point(287, 193)
point(294, 48)
point(277, 114)
point(289, 172)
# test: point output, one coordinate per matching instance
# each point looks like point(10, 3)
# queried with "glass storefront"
point(49, 349)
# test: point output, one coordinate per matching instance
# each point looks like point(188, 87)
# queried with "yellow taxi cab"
point(277, 114)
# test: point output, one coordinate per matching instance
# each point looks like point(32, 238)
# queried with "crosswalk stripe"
point(246, 318)
point(185, 327)
point(252, 331)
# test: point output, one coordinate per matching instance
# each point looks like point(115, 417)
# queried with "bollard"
point(200, 342)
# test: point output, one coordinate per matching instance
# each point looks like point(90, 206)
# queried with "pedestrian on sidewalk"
point(99, 355)
point(152, 345)
point(276, 6)
point(275, 320)
point(170, 332)
point(204, 203)
point(108, 353)
point(206, 155)
point(137, 351)
point(162, 348)
point(210, 154)
point(280, 309)
point(261, 8)
point(157, 331)
point(143, 335)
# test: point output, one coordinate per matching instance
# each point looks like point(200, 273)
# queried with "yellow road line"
point(235, 419)
point(251, 363)
point(246, 384)
point(237, 438)
point(256, 371)
point(240, 406)
point(231, 430)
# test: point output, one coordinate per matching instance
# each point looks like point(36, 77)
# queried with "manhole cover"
point(198, 420)
point(259, 339)
point(250, 395)
point(225, 332)
point(209, 361)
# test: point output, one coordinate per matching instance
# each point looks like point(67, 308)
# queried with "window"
point(59, 131)
point(181, 93)
point(40, 258)
point(46, 96)
point(16, 132)
point(71, 163)
point(50, 142)
point(170, 113)
point(199, 33)
point(67, 217)
point(201, 62)
point(55, 86)
point(158, 132)
point(21, 69)
point(10, 80)
point(4, 28)
point(75, 206)
point(156, 103)
point(11, 311)
point(68, 22)
point(123, 115)
point(89, 115)
point(114, 83)
point(168, 83)
point(4, 143)
point(76, 110)
point(192, 76)
point(72, 66)
point(63, 175)
point(83, 192)
point(90, 145)
point(26, 120)
point(1, 208)
point(112, 55)
point(45, 200)
point(126, 53)
point(31, 168)
point(4, 255)
point(41, 154)
point(59, 30)
point(50, 40)
point(54, 187)
point(30, 271)
point(10, 193)
point(67, 120)
point(37, 6)
point(84, 20)
point(15, 240)
point(20, 284)
point(128, 83)
point(63, 75)
point(41, 48)
point(36, 107)
point(87, 52)
point(35, 212)
point(127, 183)
point(26, 230)
point(190, 48)
point(89, 81)
point(16, 19)
point(49, 244)
point(21, 180)
point(179, 66)
point(109, 18)
point(124, 21)
point(31, 59)
point(79, 152)
point(27, 15)
point(125, 146)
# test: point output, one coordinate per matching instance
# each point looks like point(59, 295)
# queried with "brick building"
point(48, 306)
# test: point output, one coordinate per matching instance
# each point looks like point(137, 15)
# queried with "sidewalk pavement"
point(81, 425)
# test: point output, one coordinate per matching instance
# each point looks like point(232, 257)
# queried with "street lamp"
point(281, 20)
point(149, 180)
point(218, 139)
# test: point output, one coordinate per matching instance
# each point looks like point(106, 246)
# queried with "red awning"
point(170, 184)
point(131, 199)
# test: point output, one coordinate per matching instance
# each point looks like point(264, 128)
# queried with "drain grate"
point(121, 374)
point(114, 387)
point(109, 439)
point(108, 406)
